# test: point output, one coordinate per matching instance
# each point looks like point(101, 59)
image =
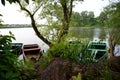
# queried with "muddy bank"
point(65, 69)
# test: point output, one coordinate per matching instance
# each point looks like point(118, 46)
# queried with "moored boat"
point(31, 52)
point(97, 50)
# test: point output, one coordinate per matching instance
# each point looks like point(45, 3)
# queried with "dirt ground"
point(65, 69)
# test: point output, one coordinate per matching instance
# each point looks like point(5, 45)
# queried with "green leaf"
point(27, 1)
point(3, 2)
point(11, 1)
point(1, 15)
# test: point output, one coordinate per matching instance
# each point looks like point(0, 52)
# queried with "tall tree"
point(115, 24)
point(76, 20)
point(65, 7)
point(83, 19)
point(102, 18)
point(67, 12)
point(112, 13)
point(60, 11)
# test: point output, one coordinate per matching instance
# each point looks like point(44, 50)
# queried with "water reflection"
point(87, 32)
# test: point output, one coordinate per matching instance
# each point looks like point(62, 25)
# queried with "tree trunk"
point(38, 33)
point(67, 12)
point(112, 46)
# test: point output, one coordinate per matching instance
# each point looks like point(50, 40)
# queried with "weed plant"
point(78, 77)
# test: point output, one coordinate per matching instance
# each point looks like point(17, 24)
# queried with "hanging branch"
point(38, 8)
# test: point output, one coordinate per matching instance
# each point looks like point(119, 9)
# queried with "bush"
point(8, 61)
point(66, 50)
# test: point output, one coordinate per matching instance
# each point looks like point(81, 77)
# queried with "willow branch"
point(24, 9)
point(37, 8)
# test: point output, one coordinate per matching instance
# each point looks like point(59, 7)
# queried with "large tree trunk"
point(67, 12)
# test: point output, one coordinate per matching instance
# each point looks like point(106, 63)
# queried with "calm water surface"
point(25, 36)
point(28, 36)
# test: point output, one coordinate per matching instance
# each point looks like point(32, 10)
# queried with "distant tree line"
point(87, 19)
point(15, 25)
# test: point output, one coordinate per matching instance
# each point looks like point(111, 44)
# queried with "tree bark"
point(67, 12)
point(38, 33)
point(112, 46)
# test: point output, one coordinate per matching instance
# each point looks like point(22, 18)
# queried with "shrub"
point(66, 50)
point(8, 61)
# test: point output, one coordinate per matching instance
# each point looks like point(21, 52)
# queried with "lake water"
point(91, 33)
point(25, 36)
point(28, 36)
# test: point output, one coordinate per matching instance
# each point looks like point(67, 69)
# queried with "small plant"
point(78, 77)
point(107, 72)
point(27, 70)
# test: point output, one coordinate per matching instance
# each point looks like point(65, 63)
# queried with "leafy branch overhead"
point(13, 1)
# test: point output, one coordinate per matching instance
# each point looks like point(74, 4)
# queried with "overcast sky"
point(11, 15)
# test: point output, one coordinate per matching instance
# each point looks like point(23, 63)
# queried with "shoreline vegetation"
point(29, 26)
point(17, 26)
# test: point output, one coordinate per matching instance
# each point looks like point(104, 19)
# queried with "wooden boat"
point(97, 50)
point(31, 52)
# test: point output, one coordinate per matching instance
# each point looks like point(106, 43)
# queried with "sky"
point(11, 14)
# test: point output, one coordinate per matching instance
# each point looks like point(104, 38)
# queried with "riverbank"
point(15, 26)
point(65, 69)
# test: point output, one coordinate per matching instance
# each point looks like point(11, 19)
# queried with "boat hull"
point(31, 52)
